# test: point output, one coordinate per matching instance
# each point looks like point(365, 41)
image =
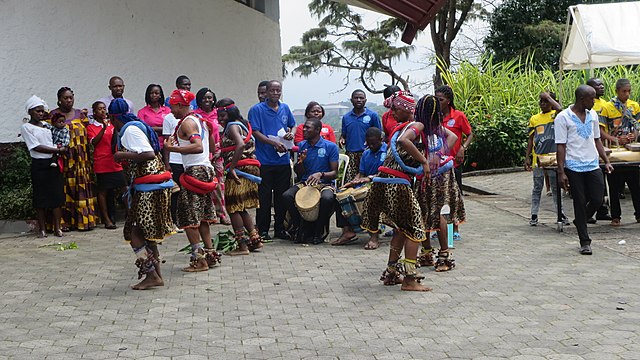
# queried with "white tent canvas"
point(602, 35)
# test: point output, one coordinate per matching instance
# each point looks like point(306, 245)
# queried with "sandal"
point(344, 241)
point(426, 258)
point(371, 245)
point(111, 227)
point(616, 222)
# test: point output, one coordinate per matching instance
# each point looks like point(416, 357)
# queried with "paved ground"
point(518, 292)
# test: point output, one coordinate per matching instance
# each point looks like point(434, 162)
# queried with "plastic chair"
point(342, 159)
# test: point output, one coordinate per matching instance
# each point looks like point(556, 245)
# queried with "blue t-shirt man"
point(319, 158)
point(354, 128)
point(269, 121)
point(372, 160)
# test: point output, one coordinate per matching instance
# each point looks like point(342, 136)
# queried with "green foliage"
point(15, 183)
point(530, 28)
point(500, 97)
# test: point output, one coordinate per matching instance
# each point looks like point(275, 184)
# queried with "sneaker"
point(586, 250)
point(604, 216)
point(534, 220)
point(565, 221)
point(265, 236)
point(456, 236)
point(434, 235)
point(177, 229)
point(591, 220)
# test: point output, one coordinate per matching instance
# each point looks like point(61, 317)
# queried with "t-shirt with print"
point(544, 138)
point(581, 154)
point(618, 118)
point(457, 122)
point(319, 158)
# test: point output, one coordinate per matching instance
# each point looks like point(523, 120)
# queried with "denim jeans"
point(538, 185)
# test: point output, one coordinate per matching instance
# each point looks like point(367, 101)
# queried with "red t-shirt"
point(326, 133)
point(388, 124)
point(103, 161)
point(457, 122)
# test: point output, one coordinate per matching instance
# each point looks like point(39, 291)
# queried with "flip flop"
point(343, 241)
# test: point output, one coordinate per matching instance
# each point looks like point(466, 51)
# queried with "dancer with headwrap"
point(46, 181)
point(148, 221)
point(441, 189)
point(206, 100)
point(191, 139)
point(243, 175)
point(392, 197)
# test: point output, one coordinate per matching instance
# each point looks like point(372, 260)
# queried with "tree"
point(530, 28)
point(341, 42)
point(446, 26)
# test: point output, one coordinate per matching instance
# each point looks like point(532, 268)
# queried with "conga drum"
point(351, 202)
point(308, 203)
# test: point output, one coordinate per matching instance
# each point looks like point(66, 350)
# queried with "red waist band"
point(153, 179)
point(395, 173)
point(246, 162)
point(199, 187)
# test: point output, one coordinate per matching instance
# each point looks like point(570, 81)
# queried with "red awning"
point(417, 13)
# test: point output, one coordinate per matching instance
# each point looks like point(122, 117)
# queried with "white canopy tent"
point(601, 35)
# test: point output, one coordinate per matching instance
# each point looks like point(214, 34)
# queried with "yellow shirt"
point(611, 116)
point(598, 104)
point(544, 139)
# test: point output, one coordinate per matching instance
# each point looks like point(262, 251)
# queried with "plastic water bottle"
point(446, 212)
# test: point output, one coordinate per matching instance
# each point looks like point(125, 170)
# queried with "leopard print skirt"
point(195, 208)
point(399, 208)
point(354, 165)
point(442, 190)
point(244, 195)
point(149, 211)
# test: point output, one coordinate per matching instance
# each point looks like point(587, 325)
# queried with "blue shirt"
point(319, 157)
point(269, 122)
point(371, 161)
point(354, 128)
point(193, 105)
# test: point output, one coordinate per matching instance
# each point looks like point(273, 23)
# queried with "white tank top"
point(202, 158)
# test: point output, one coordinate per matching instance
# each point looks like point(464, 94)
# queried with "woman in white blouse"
point(46, 180)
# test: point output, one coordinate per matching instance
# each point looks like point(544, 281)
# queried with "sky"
point(324, 86)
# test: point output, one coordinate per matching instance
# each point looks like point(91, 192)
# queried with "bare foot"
point(372, 244)
point(409, 284)
point(151, 280)
point(344, 239)
point(197, 266)
point(238, 251)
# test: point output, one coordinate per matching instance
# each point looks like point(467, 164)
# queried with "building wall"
point(44, 45)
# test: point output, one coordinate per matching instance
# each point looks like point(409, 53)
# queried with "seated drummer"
point(317, 166)
point(619, 120)
point(372, 159)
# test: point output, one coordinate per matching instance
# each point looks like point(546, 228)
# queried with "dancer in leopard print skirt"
point(148, 221)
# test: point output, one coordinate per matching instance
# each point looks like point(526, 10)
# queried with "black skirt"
point(111, 180)
point(47, 184)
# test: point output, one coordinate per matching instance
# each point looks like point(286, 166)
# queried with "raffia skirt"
point(399, 208)
point(242, 196)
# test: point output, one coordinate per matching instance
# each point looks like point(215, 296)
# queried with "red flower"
point(474, 164)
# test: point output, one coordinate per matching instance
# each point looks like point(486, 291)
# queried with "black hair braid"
point(447, 91)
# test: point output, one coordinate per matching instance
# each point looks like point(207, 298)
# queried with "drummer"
point(317, 166)
point(372, 159)
point(619, 117)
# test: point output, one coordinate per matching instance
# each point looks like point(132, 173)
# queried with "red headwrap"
point(183, 97)
point(401, 99)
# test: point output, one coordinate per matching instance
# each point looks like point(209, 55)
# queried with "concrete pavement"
point(517, 293)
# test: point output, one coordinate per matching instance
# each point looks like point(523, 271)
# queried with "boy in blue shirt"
point(317, 166)
point(372, 159)
point(354, 126)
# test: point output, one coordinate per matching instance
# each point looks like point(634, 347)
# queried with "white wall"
point(44, 45)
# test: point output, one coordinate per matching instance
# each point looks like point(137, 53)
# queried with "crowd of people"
point(190, 160)
point(577, 136)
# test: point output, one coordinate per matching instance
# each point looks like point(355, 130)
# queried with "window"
point(255, 4)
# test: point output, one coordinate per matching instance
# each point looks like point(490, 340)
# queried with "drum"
point(308, 203)
point(351, 202)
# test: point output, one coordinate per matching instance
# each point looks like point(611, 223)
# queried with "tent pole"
point(564, 46)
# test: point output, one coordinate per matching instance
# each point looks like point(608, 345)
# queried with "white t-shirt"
point(202, 158)
point(35, 136)
point(582, 155)
point(135, 140)
point(168, 127)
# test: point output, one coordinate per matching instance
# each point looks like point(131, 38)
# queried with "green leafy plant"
point(15, 182)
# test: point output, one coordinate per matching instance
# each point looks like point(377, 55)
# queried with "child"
point(542, 141)
point(60, 136)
